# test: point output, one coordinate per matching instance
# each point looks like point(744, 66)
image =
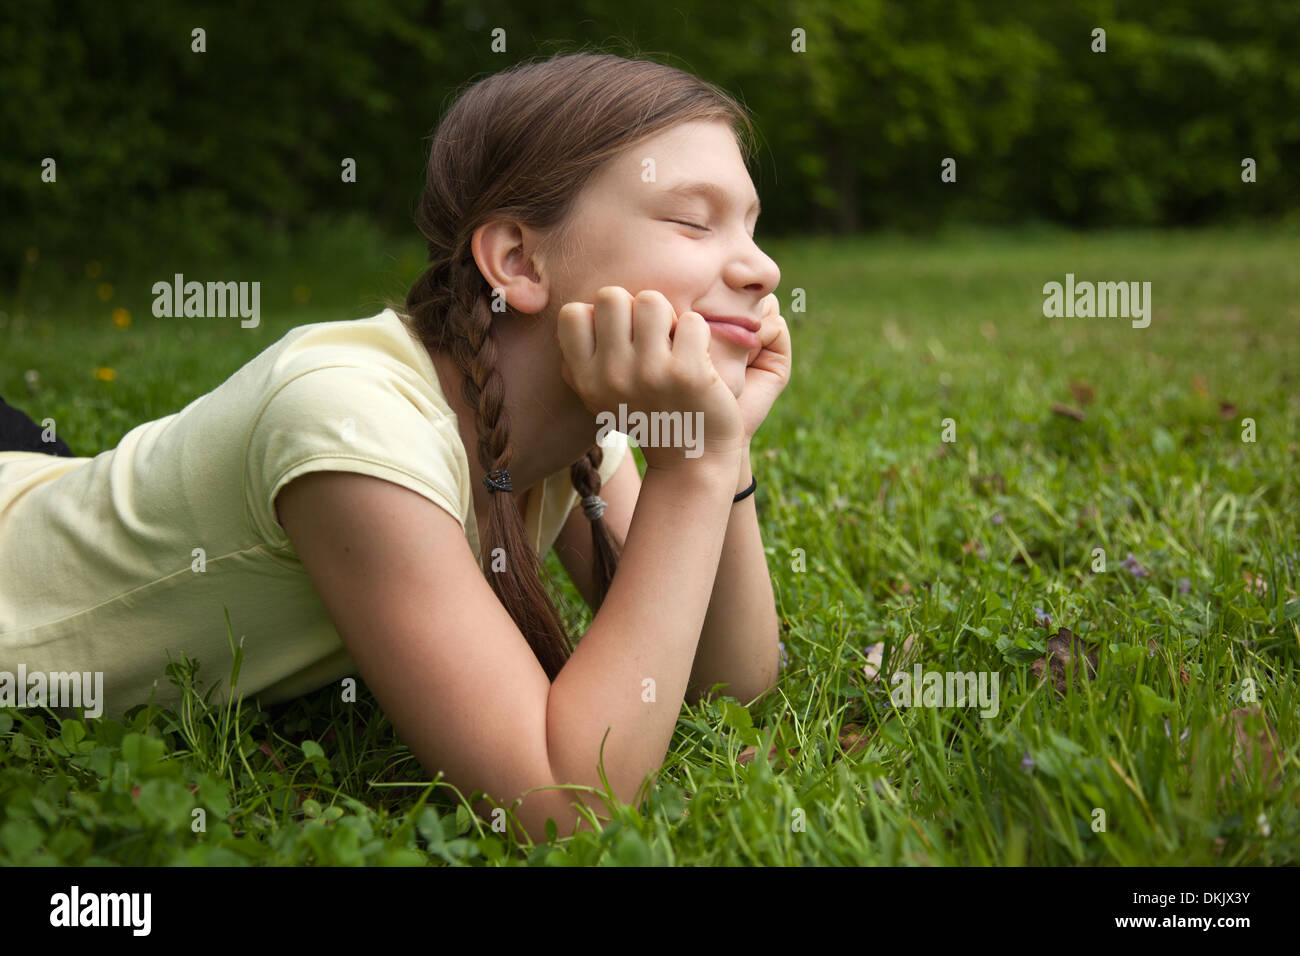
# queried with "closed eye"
point(691, 224)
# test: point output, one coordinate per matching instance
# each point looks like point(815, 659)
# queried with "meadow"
point(1103, 517)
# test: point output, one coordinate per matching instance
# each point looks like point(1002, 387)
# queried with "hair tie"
point(498, 480)
point(593, 506)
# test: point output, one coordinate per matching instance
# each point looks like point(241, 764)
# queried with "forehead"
point(690, 159)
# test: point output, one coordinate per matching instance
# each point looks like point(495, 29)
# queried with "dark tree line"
point(158, 145)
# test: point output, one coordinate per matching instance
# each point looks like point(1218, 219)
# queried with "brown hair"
point(521, 144)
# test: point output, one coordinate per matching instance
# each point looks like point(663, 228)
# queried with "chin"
point(731, 362)
point(733, 373)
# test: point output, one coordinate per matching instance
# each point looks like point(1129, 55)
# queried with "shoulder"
point(354, 411)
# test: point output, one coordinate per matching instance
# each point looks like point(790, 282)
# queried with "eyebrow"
point(710, 191)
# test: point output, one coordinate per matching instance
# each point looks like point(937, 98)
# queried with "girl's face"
point(676, 213)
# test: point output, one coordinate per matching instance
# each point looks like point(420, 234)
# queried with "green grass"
point(964, 544)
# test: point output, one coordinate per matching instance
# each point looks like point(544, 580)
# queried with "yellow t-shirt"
point(99, 567)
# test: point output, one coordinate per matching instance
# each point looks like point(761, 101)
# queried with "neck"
point(550, 428)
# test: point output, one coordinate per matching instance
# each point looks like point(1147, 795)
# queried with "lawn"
point(1071, 506)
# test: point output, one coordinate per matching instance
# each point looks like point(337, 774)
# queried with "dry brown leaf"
point(1082, 392)
point(1060, 408)
point(1227, 411)
point(749, 753)
point(900, 586)
point(876, 654)
point(1064, 649)
point(1254, 738)
point(1255, 583)
point(853, 738)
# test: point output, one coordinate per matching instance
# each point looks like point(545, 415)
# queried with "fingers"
point(652, 321)
point(576, 332)
point(691, 340)
point(626, 335)
point(613, 320)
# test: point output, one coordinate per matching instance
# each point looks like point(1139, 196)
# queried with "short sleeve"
point(357, 419)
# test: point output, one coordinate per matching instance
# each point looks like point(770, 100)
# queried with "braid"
point(605, 549)
point(521, 591)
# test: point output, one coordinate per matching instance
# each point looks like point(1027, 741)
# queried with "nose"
point(758, 271)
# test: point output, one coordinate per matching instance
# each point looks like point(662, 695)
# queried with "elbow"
point(539, 807)
point(532, 810)
point(771, 673)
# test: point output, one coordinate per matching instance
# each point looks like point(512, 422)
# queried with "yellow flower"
point(105, 292)
point(302, 294)
point(93, 269)
point(105, 374)
point(121, 317)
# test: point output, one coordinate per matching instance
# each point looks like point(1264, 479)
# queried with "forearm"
point(647, 629)
point(738, 646)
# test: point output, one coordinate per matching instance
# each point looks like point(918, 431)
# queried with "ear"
point(507, 254)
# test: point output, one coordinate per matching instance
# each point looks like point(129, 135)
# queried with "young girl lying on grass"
point(589, 221)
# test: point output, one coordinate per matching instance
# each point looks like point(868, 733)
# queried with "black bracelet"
point(753, 483)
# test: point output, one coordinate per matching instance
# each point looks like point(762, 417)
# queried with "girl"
point(331, 494)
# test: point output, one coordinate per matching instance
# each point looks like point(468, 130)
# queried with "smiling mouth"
point(744, 321)
point(732, 330)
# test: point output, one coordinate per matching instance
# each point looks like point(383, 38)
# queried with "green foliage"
point(987, 533)
point(167, 156)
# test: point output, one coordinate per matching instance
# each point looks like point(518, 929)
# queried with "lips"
point(735, 328)
point(741, 320)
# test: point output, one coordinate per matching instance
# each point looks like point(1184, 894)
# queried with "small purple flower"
point(785, 658)
point(1130, 564)
point(997, 518)
point(1041, 618)
point(1184, 585)
point(1027, 763)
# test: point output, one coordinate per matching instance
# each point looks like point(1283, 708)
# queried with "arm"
point(738, 643)
point(665, 575)
point(453, 672)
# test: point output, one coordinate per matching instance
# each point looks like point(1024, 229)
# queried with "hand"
point(769, 368)
point(636, 352)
